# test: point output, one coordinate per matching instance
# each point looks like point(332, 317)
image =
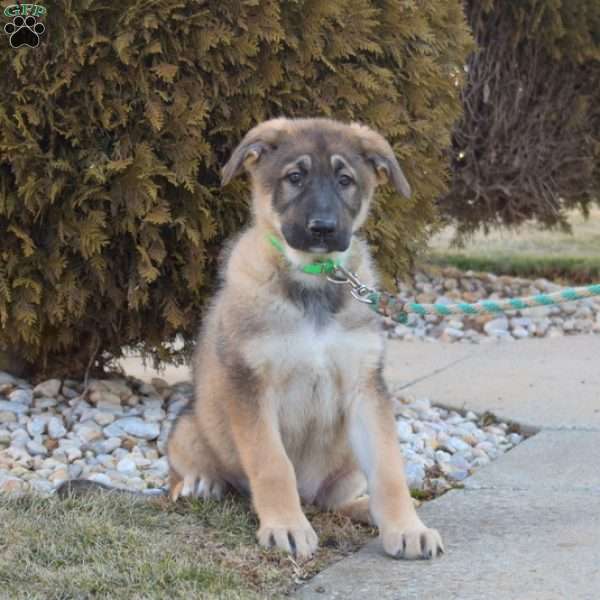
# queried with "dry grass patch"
point(528, 251)
point(108, 546)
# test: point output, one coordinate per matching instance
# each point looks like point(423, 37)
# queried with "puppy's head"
point(313, 179)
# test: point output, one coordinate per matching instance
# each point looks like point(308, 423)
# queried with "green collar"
point(315, 268)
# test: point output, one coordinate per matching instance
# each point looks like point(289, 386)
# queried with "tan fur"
point(286, 408)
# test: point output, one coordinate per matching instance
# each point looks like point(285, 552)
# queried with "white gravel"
point(116, 434)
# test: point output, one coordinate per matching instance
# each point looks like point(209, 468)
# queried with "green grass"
point(108, 546)
point(528, 252)
point(562, 268)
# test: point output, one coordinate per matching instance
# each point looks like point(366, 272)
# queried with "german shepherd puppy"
point(290, 403)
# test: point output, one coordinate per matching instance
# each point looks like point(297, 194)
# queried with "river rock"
point(48, 389)
point(133, 426)
point(21, 396)
point(56, 428)
point(14, 407)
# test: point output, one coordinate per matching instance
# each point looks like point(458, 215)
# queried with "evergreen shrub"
point(114, 129)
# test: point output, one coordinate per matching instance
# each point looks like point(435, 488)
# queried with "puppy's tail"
point(80, 488)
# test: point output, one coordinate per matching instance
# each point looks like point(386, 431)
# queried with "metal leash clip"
point(359, 290)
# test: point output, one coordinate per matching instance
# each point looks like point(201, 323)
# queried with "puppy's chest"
point(312, 370)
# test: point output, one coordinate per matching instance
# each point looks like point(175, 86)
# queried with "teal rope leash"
point(389, 306)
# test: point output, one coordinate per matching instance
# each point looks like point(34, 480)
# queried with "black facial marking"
point(315, 200)
point(318, 304)
point(348, 184)
point(284, 200)
point(316, 178)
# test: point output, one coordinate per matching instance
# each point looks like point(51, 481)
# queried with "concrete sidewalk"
point(527, 526)
point(551, 382)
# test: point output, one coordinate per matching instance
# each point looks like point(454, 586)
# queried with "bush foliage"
point(528, 145)
point(113, 130)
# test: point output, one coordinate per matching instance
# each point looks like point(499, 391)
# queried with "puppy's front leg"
point(272, 483)
point(373, 438)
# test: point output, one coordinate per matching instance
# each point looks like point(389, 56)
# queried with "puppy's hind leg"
point(192, 470)
point(345, 494)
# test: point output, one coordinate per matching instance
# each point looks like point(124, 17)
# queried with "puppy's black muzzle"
point(318, 223)
point(322, 227)
point(318, 235)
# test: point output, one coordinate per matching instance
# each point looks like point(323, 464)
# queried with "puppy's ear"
point(259, 140)
point(379, 154)
point(388, 170)
point(243, 157)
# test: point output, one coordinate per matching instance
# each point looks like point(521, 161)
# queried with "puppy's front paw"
point(416, 541)
point(296, 537)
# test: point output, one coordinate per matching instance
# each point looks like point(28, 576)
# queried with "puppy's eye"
point(295, 177)
point(345, 181)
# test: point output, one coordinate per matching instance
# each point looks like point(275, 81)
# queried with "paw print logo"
point(24, 31)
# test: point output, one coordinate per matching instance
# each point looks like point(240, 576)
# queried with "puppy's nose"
point(322, 226)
